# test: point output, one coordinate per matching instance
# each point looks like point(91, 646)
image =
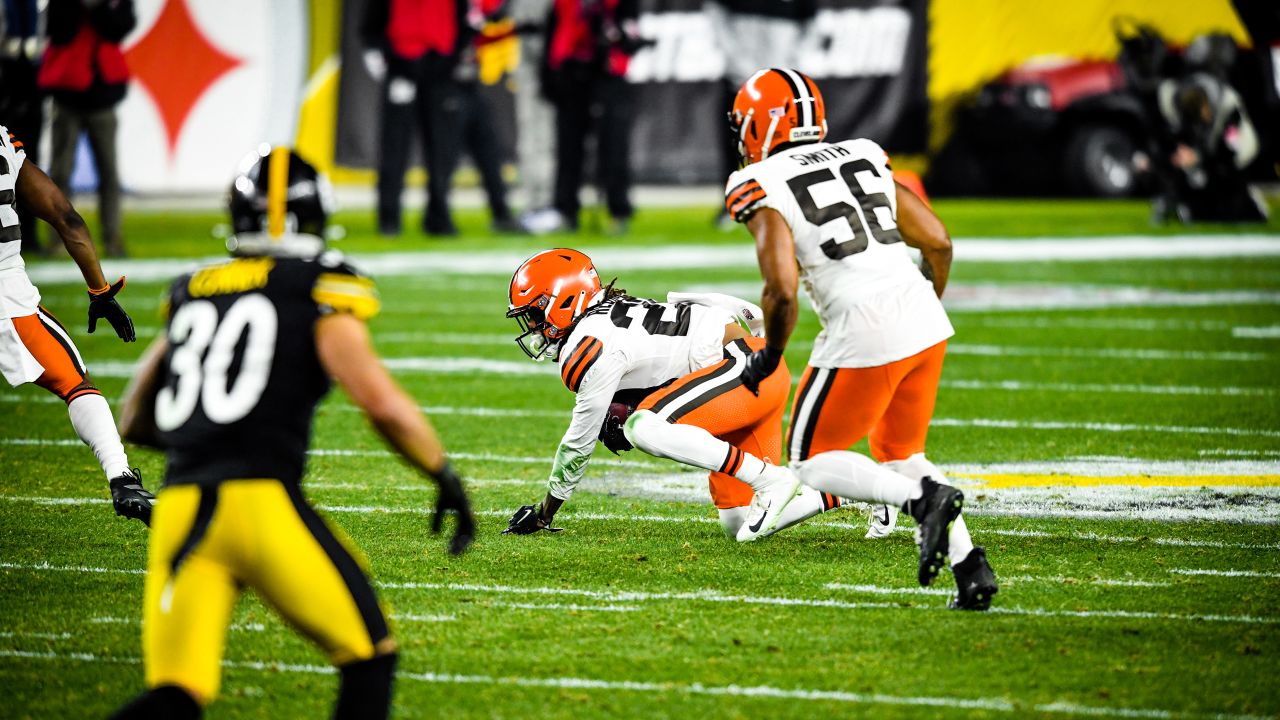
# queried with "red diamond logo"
point(176, 64)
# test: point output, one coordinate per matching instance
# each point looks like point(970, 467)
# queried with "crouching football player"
point(229, 391)
point(684, 367)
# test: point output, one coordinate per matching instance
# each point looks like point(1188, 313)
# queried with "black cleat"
point(933, 512)
point(975, 582)
point(130, 498)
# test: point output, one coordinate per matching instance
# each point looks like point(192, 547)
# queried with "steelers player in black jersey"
point(229, 392)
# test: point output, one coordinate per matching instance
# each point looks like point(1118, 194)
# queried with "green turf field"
point(1114, 423)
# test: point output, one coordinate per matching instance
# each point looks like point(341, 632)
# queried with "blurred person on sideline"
point(491, 54)
point(413, 48)
point(535, 120)
point(21, 106)
point(85, 73)
point(589, 46)
point(753, 34)
point(1213, 141)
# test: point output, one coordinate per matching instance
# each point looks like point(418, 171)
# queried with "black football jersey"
point(241, 379)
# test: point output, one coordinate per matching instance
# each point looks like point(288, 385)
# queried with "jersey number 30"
point(862, 215)
point(201, 377)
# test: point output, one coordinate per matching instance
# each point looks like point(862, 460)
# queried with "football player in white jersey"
point(678, 365)
point(830, 214)
point(35, 347)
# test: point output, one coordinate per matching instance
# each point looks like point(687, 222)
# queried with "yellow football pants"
point(209, 543)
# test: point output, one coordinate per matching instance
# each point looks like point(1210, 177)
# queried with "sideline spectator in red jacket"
point(589, 46)
point(413, 47)
point(85, 73)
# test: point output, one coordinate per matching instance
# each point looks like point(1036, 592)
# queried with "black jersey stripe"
point(802, 393)
point(199, 528)
point(589, 360)
point(352, 575)
point(806, 441)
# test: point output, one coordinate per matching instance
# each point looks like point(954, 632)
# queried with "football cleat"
point(883, 520)
point(130, 498)
point(975, 582)
point(933, 512)
point(769, 502)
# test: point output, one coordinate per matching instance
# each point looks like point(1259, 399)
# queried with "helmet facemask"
point(538, 338)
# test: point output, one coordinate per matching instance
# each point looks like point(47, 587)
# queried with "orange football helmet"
point(548, 293)
point(773, 108)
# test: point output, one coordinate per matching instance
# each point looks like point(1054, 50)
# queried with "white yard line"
point(1225, 573)
point(1099, 427)
point(8, 634)
point(663, 688)
point(1110, 323)
point(574, 515)
point(1256, 333)
point(714, 596)
point(1074, 388)
point(424, 618)
point(693, 257)
point(1105, 353)
point(568, 607)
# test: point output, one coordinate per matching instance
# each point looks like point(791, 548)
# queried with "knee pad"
point(633, 428)
point(167, 702)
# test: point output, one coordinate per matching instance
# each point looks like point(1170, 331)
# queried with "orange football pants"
point(837, 407)
point(715, 400)
point(50, 344)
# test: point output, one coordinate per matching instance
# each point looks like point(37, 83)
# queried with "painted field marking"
point(1108, 353)
point(1015, 579)
point(1225, 573)
point(612, 517)
point(9, 634)
point(425, 618)
point(704, 256)
point(635, 686)
point(1256, 333)
point(568, 607)
point(981, 481)
point(1230, 452)
point(1058, 323)
point(625, 596)
point(1100, 427)
point(1133, 389)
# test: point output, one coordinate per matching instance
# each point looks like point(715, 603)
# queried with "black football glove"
point(453, 499)
point(527, 521)
point(611, 432)
point(760, 365)
point(103, 305)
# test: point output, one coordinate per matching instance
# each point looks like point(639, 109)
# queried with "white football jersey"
point(841, 204)
point(628, 345)
point(11, 158)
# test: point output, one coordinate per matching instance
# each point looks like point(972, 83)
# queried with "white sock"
point(732, 518)
point(91, 417)
point(808, 503)
point(857, 477)
point(918, 466)
point(961, 543)
point(694, 446)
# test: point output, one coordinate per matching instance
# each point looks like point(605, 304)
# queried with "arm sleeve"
point(747, 313)
point(743, 196)
point(341, 288)
point(594, 395)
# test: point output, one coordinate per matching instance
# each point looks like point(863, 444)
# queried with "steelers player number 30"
point(859, 215)
point(204, 348)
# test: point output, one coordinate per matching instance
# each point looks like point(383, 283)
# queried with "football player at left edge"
point(35, 347)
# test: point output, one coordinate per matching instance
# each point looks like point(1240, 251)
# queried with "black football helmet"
point(279, 204)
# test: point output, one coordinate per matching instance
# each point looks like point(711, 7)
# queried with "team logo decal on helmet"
point(773, 108)
point(549, 292)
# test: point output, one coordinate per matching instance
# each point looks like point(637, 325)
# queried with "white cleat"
point(768, 503)
point(883, 520)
